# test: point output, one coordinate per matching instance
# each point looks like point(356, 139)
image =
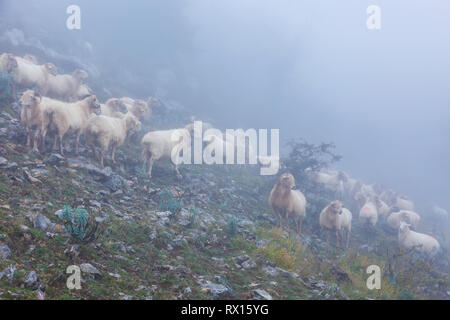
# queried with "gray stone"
point(215, 289)
point(262, 294)
point(5, 252)
point(10, 272)
point(89, 268)
point(41, 222)
point(32, 280)
point(3, 161)
point(55, 159)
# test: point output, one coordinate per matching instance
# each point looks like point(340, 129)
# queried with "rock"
point(41, 222)
point(95, 203)
point(32, 280)
point(215, 289)
point(5, 252)
point(115, 183)
point(245, 262)
point(9, 272)
point(187, 290)
point(271, 271)
point(55, 159)
point(11, 166)
point(89, 268)
point(262, 294)
point(249, 264)
point(59, 213)
point(3, 162)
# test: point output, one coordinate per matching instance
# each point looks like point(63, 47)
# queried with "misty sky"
point(310, 68)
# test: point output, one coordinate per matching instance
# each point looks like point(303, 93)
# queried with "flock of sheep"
point(62, 105)
point(374, 203)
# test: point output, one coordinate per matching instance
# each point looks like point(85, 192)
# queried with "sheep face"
point(30, 98)
point(11, 63)
point(404, 227)
point(117, 105)
point(80, 74)
point(153, 103)
point(287, 181)
point(140, 107)
point(51, 68)
point(336, 207)
point(94, 105)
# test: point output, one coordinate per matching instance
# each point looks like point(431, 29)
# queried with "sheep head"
point(133, 125)
point(140, 107)
point(153, 103)
point(117, 105)
point(287, 181)
point(80, 74)
point(404, 227)
point(30, 98)
point(336, 207)
point(51, 68)
point(30, 58)
point(11, 63)
point(93, 104)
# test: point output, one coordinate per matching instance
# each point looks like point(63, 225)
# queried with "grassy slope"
point(162, 268)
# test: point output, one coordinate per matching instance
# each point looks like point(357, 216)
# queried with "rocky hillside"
point(210, 235)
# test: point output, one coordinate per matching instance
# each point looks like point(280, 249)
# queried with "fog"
point(310, 68)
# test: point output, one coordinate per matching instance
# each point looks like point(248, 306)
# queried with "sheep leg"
point(77, 142)
point(43, 134)
point(28, 137)
point(35, 142)
point(102, 155)
point(287, 221)
point(61, 151)
point(337, 238)
point(348, 237)
point(150, 167)
point(297, 224)
point(93, 152)
point(327, 235)
point(55, 139)
point(13, 91)
point(279, 218)
point(113, 154)
point(300, 226)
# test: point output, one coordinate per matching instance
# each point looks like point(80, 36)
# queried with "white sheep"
point(286, 201)
point(383, 209)
point(31, 116)
point(424, 243)
point(113, 108)
point(403, 203)
point(164, 144)
point(29, 75)
point(440, 213)
point(63, 117)
point(105, 132)
point(395, 218)
point(7, 63)
point(336, 217)
point(65, 86)
point(331, 180)
point(83, 92)
point(369, 213)
point(138, 108)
